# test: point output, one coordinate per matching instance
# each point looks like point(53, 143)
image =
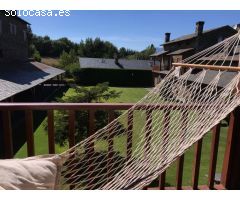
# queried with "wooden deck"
point(200, 187)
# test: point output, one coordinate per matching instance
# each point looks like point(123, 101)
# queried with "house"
point(13, 38)
point(118, 72)
point(17, 73)
point(182, 47)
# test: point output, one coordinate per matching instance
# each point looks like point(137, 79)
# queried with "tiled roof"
point(180, 51)
point(102, 63)
point(222, 56)
point(225, 78)
point(194, 35)
point(16, 78)
point(159, 53)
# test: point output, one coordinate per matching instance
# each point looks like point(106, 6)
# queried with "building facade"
point(180, 48)
point(13, 38)
point(117, 72)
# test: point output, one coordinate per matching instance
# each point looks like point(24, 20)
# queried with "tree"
point(53, 48)
point(99, 93)
point(36, 56)
point(96, 48)
point(124, 53)
point(92, 48)
point(143, 55)
point(69, 62)
point(68, 58)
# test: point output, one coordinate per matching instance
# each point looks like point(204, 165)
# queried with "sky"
point(130, 29)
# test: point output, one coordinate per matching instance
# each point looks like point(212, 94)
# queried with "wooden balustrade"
point(71, 129)
point(180, 162)
point(213, 155)
point(7, 134)
point(165, 136)
point(51, 144)
point(29, 132)
point(230, 178)
point(196, 163)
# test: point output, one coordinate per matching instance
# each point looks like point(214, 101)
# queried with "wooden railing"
point(230, 175)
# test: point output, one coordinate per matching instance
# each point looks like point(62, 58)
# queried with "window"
point(0, 27)
point(13, 29)
point(24, 35)
point(1, 53)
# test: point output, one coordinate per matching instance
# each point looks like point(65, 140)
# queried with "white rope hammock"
point(139, 145)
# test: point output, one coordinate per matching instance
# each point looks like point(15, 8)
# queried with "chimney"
point(199, 27)
point(115, 58)
point(167, 37)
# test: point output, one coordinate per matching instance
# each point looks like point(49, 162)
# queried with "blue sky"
point(131, 29)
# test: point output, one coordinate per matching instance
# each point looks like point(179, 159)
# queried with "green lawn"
point(131, 95)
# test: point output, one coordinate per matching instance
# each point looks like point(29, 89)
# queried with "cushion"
point(38, 172)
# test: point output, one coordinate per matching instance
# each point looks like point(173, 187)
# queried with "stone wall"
point(13, 45)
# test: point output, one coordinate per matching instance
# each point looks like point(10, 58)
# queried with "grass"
point(50, 61)
point(131, 95)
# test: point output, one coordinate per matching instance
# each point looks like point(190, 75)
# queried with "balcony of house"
point(213, 163)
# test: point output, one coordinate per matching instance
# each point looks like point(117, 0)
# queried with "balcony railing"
point(230, 174)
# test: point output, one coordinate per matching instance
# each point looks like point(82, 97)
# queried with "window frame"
point(1, 27)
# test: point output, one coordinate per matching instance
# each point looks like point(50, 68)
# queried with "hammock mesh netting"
point(135, 148)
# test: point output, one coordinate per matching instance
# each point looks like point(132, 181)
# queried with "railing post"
point(213, 155)
point(72, 128)
point(230, 177)
point(7, 133)
point(196, 163)
point(180, 162)
point(51, 140)
point(166, 121)
point(29, 132)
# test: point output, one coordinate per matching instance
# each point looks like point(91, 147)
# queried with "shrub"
point(98, 93)
point(67, 59)
point(69, 62)
point(37, 56)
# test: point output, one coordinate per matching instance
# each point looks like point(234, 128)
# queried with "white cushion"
point(39, 172)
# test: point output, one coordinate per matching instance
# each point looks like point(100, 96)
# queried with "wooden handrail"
point(64, 106)
point(211, 67)
point(91, 106)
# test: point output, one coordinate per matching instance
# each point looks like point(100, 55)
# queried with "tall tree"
point(144, 55)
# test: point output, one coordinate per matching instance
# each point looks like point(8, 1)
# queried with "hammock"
point(140, 144)
point(174, 115)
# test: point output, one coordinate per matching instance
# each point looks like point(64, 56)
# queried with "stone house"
point(13, 38)
point(180, 48)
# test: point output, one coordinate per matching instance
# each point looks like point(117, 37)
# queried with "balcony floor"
point(200, 187)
